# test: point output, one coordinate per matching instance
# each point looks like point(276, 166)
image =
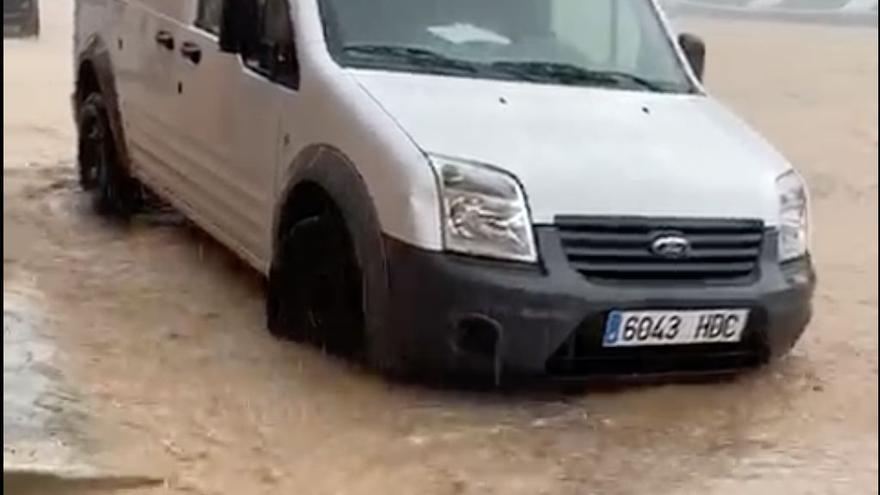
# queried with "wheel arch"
point(328, 169)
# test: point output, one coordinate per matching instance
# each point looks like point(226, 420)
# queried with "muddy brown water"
point(158, 332)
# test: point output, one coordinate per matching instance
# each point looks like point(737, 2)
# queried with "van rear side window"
point(209, 15)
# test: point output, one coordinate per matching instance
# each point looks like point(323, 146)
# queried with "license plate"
point(647, 328)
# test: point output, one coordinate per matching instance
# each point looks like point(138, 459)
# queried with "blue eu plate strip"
point(612, 327)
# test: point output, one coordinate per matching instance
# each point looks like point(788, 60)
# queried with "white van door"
point(206, 122)
point(228, 117)
point(267, 76)
point(145, 64)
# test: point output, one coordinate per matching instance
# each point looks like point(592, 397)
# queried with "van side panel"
point(329, 108)
point(332, 109)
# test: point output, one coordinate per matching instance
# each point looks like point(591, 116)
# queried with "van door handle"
point(165, 39)
point(191, 51)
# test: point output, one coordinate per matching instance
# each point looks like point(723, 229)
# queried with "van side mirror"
point(239, 25)
point(695, 50)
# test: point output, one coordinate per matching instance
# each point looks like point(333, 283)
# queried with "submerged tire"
point(315, 286)
point(114, 192)
point(335, 193)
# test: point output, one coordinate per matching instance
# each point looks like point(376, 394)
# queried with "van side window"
point(272, 51)
point(209, 15)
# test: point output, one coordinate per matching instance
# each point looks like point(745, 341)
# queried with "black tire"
point(315, 286)
point(353, 324)
point(334, 186)
point(114, 192)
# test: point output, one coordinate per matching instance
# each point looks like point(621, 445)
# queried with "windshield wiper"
point(573, 74)
point(409, 55)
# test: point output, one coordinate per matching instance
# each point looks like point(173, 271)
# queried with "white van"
point(477, 186)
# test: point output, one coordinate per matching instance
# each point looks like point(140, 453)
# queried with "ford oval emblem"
point(671, 246)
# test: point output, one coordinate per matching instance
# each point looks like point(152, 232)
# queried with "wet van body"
point(493, 188)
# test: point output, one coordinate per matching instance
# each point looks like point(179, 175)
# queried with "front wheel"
point(315, 286)
point(329, 281)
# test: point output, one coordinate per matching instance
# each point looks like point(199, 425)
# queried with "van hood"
point(591, 151)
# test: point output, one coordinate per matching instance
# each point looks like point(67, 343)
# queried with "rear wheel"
point(114, 192)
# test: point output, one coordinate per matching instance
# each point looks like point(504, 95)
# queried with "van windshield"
point(615, 43)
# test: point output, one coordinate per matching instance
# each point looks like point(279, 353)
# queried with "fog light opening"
point(478, 335)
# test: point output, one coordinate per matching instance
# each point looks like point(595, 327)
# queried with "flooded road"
point(158, 333)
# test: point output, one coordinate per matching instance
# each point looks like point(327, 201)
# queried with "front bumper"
point(456, 314)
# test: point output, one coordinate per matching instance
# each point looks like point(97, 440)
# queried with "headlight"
point(484, 211)
point(793, 220)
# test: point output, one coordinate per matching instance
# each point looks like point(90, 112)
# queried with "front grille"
point(621, 248)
